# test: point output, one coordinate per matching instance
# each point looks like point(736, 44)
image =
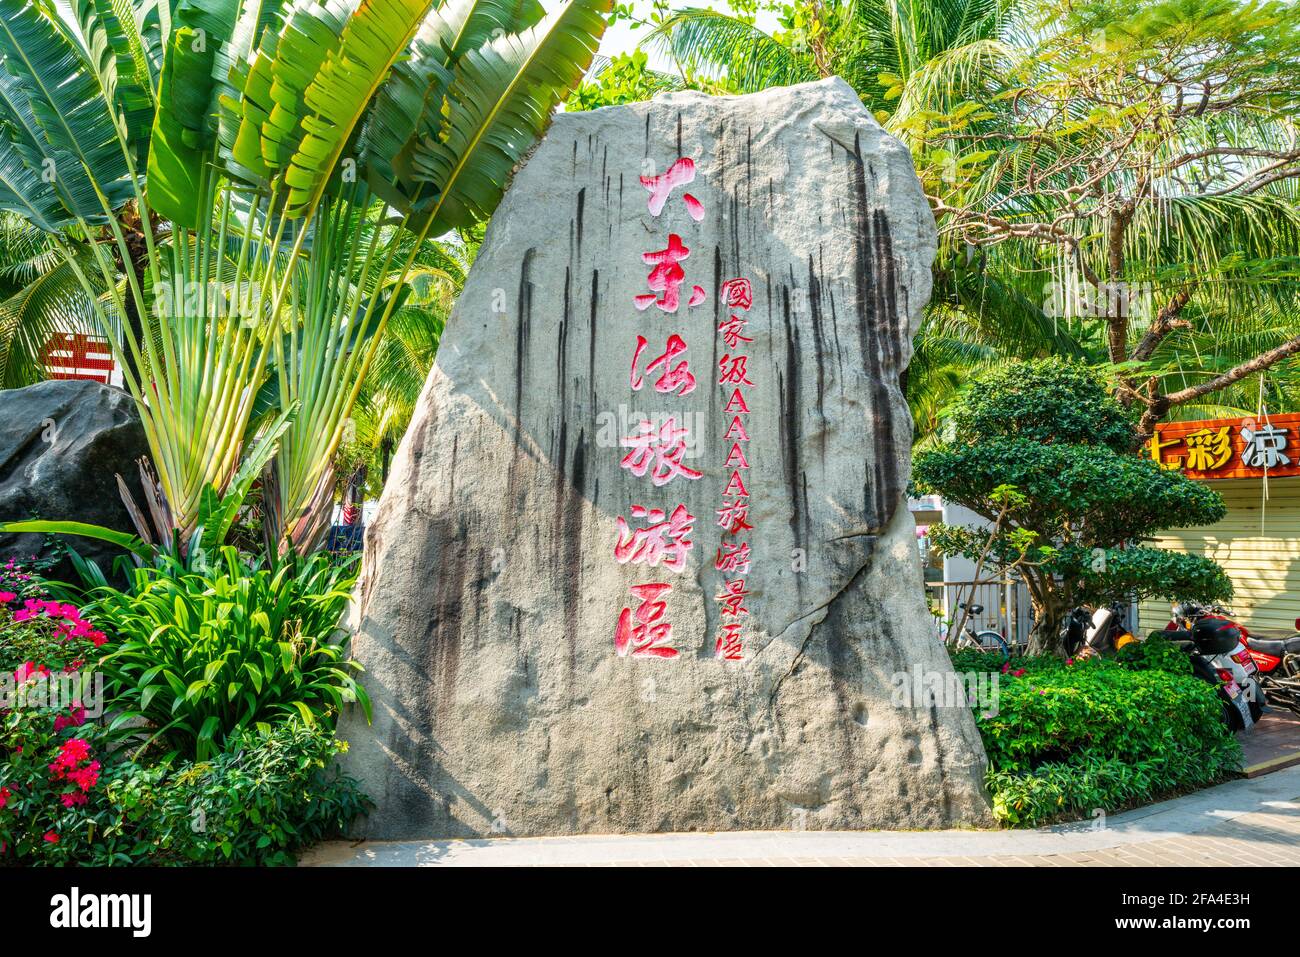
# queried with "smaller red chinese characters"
point(733, 516)
point(733, 557)
point(737, 294)
point(663, 541)
point(732, 371)
point(733, 598)
point(658, 451)
point(644, 633)
point(728, 645)
point(733, 329)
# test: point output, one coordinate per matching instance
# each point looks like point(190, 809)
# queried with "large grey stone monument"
point(644, 561)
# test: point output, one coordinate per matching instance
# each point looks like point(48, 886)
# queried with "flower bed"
point(84, 781)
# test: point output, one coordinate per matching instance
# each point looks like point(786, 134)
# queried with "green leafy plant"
point(1083, 494)
point(69, 796)
point(250, 182)
point(208, 649)
point(265, 795)
point(1069, 739)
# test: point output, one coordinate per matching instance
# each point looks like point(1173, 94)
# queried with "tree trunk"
point(1046, 638)
point(1050, 611)
point(138, 251)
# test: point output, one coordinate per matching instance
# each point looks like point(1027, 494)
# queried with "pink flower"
point(74, 719)
point(1018, 673)
point(78, 749)
point(24, 614)
point(72, 798)
point(24, 671)
point(97, 638)
point(87, 777)
point(5, 794)
point(72, 753)
point(1006, 666)
point(51, 837)
point(1069, 662)
point(6, 597)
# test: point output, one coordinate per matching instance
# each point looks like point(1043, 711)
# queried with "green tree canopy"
point(1083, 498)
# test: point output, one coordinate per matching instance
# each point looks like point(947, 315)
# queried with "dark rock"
point(62, 443)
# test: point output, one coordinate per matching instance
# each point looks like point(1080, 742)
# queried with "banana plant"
point(253, 180)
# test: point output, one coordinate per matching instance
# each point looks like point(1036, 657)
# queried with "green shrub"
point(206, 651)
point(76, 790)
point(1156, 653)
point(266, 795)
point(1069, 738)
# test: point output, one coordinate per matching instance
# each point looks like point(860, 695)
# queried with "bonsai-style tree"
point(1083, 498)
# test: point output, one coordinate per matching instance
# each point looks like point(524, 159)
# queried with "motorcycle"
point(1100, 631)
point(1279, 666)
point(1219, 656)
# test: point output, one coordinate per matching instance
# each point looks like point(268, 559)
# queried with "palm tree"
point(1130, 177)
point(964, 84)
point(858, 40)
point(392, 388)
point(257, 178)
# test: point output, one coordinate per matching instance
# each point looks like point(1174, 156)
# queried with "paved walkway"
point(1255, 820)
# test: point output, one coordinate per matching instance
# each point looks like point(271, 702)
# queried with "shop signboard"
point(1234, 448)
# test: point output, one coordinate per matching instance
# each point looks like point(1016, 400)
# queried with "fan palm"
point(262, 174)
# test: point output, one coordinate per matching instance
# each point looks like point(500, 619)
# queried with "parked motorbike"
point(1279, 667)
point(1219, 656)
point(1100, 631)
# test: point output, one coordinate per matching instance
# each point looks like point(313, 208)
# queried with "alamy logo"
point(102, 910)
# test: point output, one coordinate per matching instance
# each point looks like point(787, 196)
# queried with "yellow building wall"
point(1258, 545)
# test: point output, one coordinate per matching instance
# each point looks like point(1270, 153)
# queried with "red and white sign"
point(77, 355)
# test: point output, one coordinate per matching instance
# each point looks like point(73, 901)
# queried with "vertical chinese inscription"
point(661, 538)
point(733, 556)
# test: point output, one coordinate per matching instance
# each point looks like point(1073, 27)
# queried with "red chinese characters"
point(661, 187)
point(734, 557)
point(663, 541)
point(643, 632)
point(658, 451)
point(666, 278)
point(674, 378)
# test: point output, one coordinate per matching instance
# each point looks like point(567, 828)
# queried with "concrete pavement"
point(1255, 820)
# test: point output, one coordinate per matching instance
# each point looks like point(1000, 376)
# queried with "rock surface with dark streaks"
point(487, 611)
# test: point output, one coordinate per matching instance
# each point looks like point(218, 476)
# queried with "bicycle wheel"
point(992, 642)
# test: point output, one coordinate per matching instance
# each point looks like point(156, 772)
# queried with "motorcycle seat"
point(1279, 648)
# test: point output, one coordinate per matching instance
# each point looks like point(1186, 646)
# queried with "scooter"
point(1101, 630)
point(1279, 667)
point(1220, 657)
